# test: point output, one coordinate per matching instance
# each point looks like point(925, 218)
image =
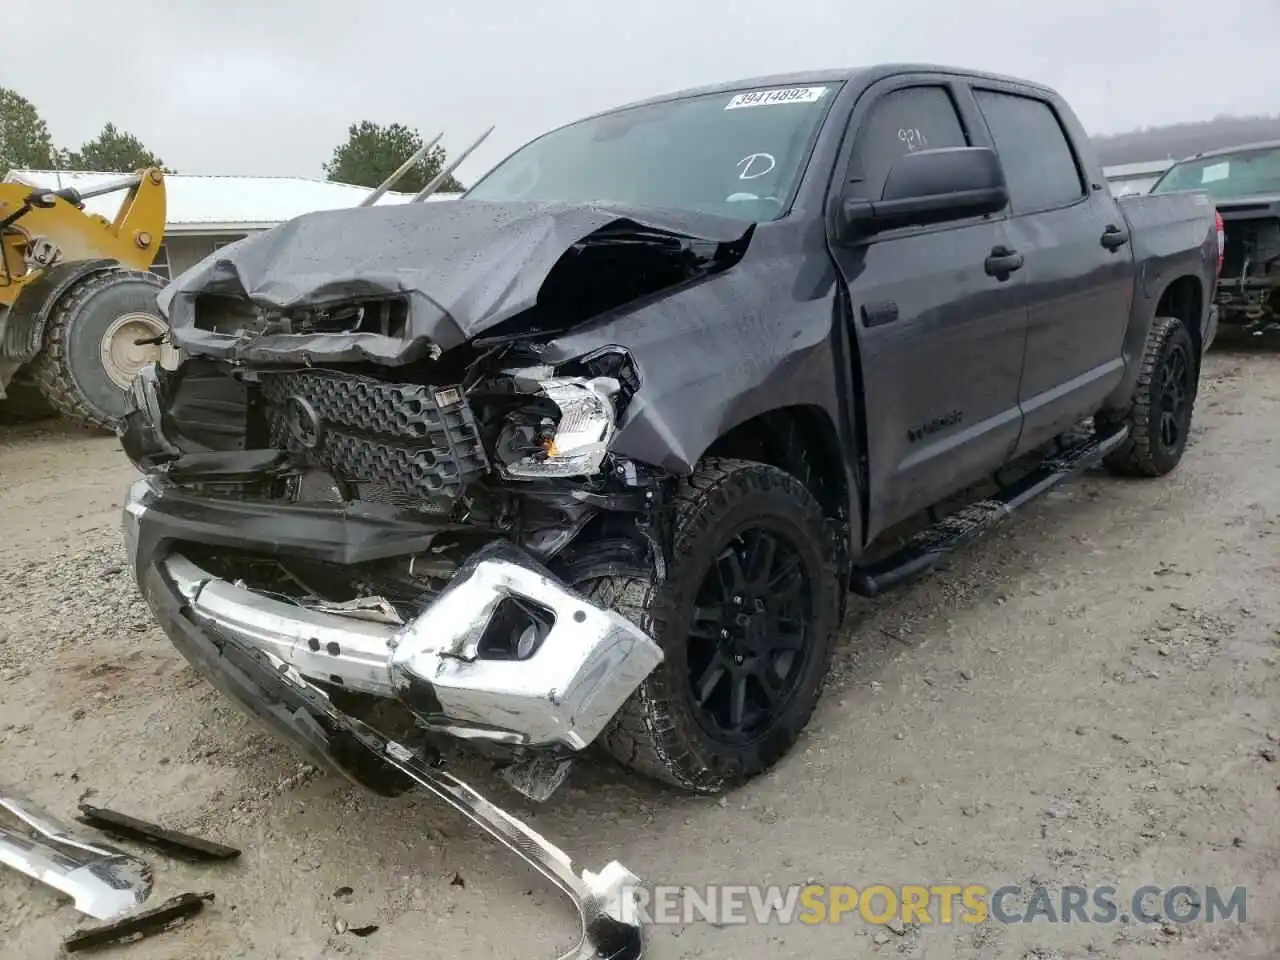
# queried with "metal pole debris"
point(404, 168)
point(443, 175)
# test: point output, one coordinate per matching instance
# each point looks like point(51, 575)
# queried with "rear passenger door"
point(940, 339)
point(1080, 287)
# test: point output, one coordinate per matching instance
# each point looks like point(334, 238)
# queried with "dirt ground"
point(1088, 697)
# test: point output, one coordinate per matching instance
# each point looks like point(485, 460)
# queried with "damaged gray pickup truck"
point(594, 454)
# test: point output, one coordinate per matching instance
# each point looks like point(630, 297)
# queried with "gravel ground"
point(1088, 697)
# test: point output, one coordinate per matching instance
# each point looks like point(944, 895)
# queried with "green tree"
point(374, 152)
point(24, 138)
point(111, 151)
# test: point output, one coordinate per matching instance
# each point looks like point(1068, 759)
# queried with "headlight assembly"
point(576, 443)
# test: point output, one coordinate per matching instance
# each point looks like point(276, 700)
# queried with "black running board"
point(930, 546)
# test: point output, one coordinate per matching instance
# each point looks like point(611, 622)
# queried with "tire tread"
point(1139, 455)
point(51, 368)
point(644, 734)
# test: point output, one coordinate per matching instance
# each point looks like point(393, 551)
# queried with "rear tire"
point(745, 619)
point(1159, 418)
point(88, 357)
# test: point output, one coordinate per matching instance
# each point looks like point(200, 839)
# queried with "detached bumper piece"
point(505, 653)
point(180, 846)
point(148, 923)
point(104, 882)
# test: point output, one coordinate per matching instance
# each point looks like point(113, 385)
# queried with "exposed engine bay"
point(1248, 293)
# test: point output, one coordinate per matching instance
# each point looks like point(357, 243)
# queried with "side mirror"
point(931, 186)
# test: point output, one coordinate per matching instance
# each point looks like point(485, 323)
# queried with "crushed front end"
point(338, 553)
point(375, 499)
point(358, 530)
point(365, 471)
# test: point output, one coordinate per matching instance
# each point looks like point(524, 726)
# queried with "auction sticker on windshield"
point(1216, 172)
point(769, 98)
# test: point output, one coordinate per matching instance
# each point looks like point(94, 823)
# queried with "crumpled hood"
point(464, 266)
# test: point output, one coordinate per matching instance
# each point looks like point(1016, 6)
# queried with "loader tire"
point(746, 641)
point(1159, 416)
point(88, 356)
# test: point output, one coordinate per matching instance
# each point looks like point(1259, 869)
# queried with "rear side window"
point(901, 122)
point(1037, 159)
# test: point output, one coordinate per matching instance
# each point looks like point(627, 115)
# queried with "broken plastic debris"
point(148, 923)
point(181, 846)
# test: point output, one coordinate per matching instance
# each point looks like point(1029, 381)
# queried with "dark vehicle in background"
point(1244, 183)
point(594, 454)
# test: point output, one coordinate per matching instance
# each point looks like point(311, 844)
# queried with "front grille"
point(404, 443)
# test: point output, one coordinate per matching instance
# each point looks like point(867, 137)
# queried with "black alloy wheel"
point(750, 634)
point(1176, 390)
point(745, 615)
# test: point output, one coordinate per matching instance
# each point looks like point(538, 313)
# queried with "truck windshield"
point(736, 154)
point(1226, 175)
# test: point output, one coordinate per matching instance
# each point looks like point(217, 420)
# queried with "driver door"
point(940, 341)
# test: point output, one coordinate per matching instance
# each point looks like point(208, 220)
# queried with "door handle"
point(1002, 262)
point(1113, 238)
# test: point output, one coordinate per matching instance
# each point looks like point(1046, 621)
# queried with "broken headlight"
point(538, 444)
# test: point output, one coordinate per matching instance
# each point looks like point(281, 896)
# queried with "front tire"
point(89, 355)
point(745, 619)
point(1159, 418)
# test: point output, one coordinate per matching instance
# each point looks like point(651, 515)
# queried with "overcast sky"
point(270, 86)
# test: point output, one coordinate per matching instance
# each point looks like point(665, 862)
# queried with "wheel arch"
point(800, 440)
point(803, 441)
point(1184, 298)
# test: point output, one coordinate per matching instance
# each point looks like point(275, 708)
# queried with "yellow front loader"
point(78, 313)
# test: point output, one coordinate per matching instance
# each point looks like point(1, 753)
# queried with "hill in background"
point(1183, 139)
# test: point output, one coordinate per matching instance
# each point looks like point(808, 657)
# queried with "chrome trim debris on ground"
point(586, 670)
point(606, 901)
point(104, 882)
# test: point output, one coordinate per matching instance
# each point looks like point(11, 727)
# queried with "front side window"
point(903, 121)
point(1227, 175)
point(735, 154)
point(1039, 166)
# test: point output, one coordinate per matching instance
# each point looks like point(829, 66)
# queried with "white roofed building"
point(203, 213)
point(1127, 179)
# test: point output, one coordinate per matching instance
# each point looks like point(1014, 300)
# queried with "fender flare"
point(23, 332)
